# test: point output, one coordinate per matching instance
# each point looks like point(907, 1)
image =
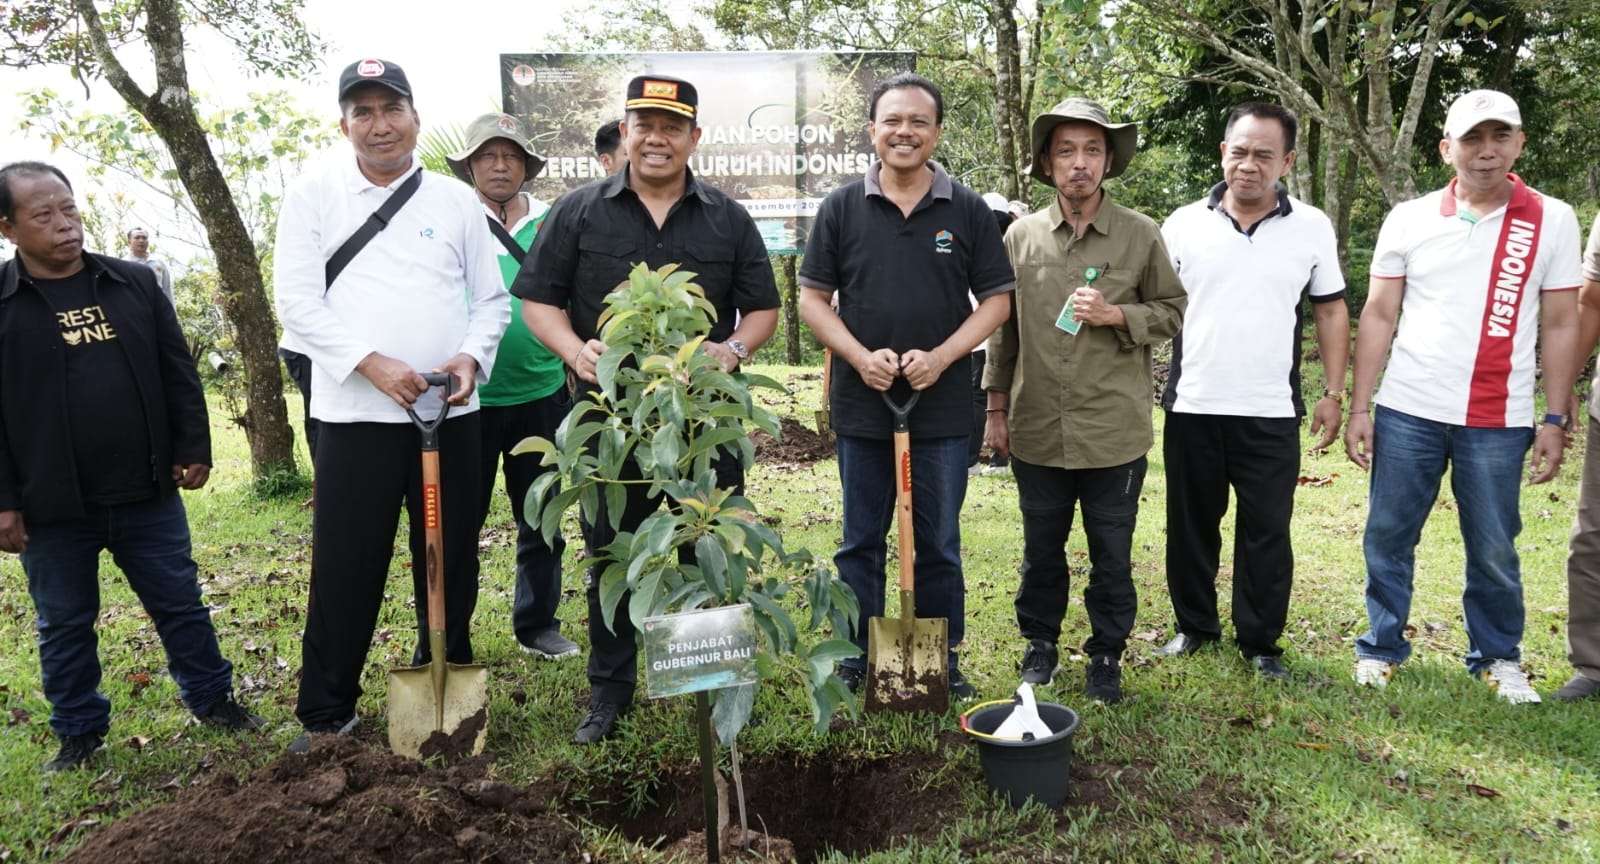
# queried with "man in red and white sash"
point(1475, 273)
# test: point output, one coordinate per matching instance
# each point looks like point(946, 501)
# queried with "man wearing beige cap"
point(1478, 274)
point(1583, 561)
point(527, 394)
point(1069, 384)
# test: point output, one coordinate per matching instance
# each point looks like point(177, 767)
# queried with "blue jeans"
point(149, 540)
point(1409, 458)
point(939, 486)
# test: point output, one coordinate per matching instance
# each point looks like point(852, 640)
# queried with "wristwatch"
point(1336, 395)
point(739, 349)
point(1560, 421)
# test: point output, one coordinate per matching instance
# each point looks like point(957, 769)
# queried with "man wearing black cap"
point(655, 211)
point(423, 293)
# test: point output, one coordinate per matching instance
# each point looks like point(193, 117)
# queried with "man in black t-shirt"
point(102, 420)
point(656, 211)
point(902, 248)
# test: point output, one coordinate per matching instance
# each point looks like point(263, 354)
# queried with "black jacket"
point(38, 473)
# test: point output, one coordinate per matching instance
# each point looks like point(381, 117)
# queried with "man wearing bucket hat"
point(1247, 254)
point(1583, 558)
point(1478, 273)
point(527, 395)
point(421, 292)
point(658, 212)
point(1069, 383)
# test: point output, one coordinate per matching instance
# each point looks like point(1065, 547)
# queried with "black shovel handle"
point(430, 428)
point(902, 413)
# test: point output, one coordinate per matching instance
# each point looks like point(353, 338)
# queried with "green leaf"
point(613, 584)
point(713, 562)
point(666, 446)
point(605, 370)
point(657, 530)
point(550, 523)
point(616, 503)
point(765, 605)
point(535, 444)
point(642, 604)
point(731, 711)
point(533, 503)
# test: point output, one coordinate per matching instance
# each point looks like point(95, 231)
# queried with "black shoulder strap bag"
point(505, 238)
point(369, 229)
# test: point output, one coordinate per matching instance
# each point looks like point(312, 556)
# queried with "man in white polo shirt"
point(1247, 253)
point(1478, 273)
point(424, 293)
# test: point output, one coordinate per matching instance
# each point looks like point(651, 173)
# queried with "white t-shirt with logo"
point(1465, 354)
point(1238, 353)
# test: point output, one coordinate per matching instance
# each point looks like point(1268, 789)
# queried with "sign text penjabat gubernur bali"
point(780, 130)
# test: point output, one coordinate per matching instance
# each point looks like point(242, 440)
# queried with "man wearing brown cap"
point(420, 293)
point(527, 395)
point(657, 212)
point(1070, 387)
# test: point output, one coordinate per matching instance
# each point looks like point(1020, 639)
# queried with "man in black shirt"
point(902, 248)
point(654, 211)
point(102, 420)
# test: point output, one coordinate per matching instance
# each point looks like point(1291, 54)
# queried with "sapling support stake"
point(708, 773)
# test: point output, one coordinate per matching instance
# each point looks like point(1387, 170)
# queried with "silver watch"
point(739, 349)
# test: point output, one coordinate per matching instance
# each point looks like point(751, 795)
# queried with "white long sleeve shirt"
point(424, 289)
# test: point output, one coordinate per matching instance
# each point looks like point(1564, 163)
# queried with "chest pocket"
point(604, 261)
point(1119, 285)
point(713, 265)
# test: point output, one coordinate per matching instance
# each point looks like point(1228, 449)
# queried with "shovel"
point(440, 709)
point(823, 421)
point(908, 660)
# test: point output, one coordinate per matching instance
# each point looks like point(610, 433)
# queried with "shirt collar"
point(1519, 195)
point(16, 273)
point(1102, 221)
point(942, 185)
point(612, 186)
point(1284, 207)
point(356, 182)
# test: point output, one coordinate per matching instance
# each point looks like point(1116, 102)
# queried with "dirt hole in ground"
point(815, 802)
point(344, 801)
point(800, 445)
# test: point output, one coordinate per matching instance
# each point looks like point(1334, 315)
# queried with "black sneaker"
point(75, 751)
point(302, 745)
point(1270, 668)
point(225, 713)
point(960, 687)
point(549, 644)
point(1040, 662)
point(1104, 680)
point(599, 723)
point(852, 676)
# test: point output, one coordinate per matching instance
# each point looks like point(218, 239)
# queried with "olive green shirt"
point(1083, 401)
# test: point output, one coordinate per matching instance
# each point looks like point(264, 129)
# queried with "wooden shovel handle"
point(433, 534)
point(902, 500)
point(827, 376)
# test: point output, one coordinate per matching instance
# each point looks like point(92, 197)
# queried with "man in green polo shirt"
point(1070, 394)
point(527, 393)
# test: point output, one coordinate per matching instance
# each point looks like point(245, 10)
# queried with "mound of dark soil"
point(800, 445)
point(344, 801)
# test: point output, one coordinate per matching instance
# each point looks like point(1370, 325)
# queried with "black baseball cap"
point(373, 71)
point(662, 92)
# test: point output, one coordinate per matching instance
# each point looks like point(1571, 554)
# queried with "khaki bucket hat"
point(1124, 136)
point(487, 128)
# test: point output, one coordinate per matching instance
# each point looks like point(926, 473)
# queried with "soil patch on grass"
point(800, 445)
point(344, 801)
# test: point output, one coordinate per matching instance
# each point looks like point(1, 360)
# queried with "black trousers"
point(1260, 458)
point(980, 402)
point(538, 574)
point(365, 472)
point(299, 368)
point(1110, 501)
point(613, 673)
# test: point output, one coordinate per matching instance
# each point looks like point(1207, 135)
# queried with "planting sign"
point(694, 651)
point(779, 130)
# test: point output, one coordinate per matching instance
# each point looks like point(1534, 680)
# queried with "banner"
point(779, 130)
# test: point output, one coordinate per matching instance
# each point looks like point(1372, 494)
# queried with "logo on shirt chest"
point(84, 326)
point(942, 242)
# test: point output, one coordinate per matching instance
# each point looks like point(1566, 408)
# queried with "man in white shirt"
point(424, 294)
point(139, 253)
point(1247, 254)
point(1478, 273)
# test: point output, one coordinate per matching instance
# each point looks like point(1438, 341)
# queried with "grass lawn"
point(1202, 763)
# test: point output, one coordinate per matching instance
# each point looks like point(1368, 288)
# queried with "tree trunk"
point(791, 312)
point(1008, 92)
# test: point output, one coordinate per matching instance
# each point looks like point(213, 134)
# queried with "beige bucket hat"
point(1124, 136)
point(487, 128)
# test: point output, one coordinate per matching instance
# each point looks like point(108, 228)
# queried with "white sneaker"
point(1509, 682)
point(1371, 672)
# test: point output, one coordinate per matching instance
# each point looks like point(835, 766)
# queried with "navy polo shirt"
point(594, 235)
point(903, 284)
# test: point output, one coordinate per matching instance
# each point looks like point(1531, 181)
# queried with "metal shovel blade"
point(438, 712)
point(908, 664)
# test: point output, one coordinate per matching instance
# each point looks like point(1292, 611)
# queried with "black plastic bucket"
point(1040, 769)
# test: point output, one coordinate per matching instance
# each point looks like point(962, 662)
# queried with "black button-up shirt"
point(595, 234)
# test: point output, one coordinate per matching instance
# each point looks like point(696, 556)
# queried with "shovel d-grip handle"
point(430, 428)
point(902, 493)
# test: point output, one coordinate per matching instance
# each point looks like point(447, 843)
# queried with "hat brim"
point(1124, 143)
point(660, 105)
point(363, 82)
point(459, 159)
